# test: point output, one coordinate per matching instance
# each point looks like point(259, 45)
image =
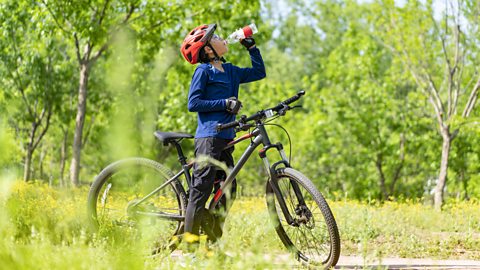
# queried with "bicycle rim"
point(313, 237)
point(117, 212)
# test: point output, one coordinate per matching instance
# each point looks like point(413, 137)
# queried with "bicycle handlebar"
point(294, 98)
point(282, 106)
point(228, 125)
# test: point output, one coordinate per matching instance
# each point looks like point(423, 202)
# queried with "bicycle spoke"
point(292, 202)
point(294, 230)
point(306, 249)
point(121, 213)
point(124, 223)
point(318, 247)
point(309, 234)
point(297, 237)
point(111, 210)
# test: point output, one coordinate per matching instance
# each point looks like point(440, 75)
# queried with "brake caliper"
point(304, 215)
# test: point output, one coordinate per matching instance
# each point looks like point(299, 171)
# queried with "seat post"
point(181, 157)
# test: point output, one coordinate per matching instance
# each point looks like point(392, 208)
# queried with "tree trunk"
point(383, 188)
point(63, 157)
point(28, 164)
point(79, 123)
point(27, 172)
point(40, 164)
point(465, 185)
point(398, 170)
point(442, 177)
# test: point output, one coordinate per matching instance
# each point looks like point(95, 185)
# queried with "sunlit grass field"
point(46, 228)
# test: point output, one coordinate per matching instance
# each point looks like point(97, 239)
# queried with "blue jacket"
point(210, 88)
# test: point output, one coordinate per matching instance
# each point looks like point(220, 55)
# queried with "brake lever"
point(284, 110)
point(242, 124)
point(243, 127)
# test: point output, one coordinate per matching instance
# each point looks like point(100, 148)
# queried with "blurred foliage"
point(46, 229)
point(365, 130)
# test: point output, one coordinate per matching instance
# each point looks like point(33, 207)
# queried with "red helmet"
point(195, 41)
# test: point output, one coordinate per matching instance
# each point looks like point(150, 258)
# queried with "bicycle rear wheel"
point(313, 234)
point(118, 209)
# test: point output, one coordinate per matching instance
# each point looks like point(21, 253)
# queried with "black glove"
point(248, 42)
point(233, 105)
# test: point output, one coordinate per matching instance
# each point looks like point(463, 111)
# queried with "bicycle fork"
point(272, 171)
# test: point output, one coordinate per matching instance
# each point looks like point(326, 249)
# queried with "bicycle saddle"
point(169, 136)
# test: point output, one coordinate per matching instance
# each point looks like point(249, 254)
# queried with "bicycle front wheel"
point(311, 233)
point(137, 198)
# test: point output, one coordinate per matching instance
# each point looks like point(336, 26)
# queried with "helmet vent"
point(197, 38)
point(187, 46)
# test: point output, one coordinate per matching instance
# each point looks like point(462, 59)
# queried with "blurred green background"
point(389, 125)
point(388, 84)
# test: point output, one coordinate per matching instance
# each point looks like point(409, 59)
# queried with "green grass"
point(45, 228)
point(410, 230)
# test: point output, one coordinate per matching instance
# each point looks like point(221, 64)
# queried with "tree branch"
point(156, 25)
point(429, 84)
point(431, 90)
point(471, 100)
point(22, 91)
point(32, 135)
point(458, 61)
point(449, 70)
point(102, 15)
point(87, 51)
point(44, 131)
point(35, 109)
point(42, 115)
point(55, 18)
point(438, 114)
point(434, 94)
point(129, 14)
point(100, 51)
point(106, 45)
point(17, 78)
point(87, 134)
point(77, 46)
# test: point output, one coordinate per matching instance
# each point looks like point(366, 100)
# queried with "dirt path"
point(284, 261)
point(357, 262)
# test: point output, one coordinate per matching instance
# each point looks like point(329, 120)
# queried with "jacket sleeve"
point(256, 72)
point(196, 95)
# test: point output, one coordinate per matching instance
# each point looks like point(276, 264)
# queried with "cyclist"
point(214, 96)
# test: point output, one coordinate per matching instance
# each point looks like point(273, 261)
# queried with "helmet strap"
point(216, 58)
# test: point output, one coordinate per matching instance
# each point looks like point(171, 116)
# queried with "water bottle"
point(242, 33)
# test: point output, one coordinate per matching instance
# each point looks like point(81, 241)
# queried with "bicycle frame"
point(260, 137)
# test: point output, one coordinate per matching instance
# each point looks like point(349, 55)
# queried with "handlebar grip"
point(294, 98)
point(227, 125)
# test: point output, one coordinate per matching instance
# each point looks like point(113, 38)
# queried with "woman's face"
point(218, 44)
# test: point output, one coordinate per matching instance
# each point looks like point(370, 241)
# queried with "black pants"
point(204, 181)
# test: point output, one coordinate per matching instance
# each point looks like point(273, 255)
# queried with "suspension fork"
point(298, 193)
point(273, 180)
point(285, 160)
point(281, 201)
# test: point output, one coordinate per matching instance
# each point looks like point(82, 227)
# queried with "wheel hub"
point(132, 208)
point(304, 216)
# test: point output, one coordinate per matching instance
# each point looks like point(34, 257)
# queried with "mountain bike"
point(138, 194)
